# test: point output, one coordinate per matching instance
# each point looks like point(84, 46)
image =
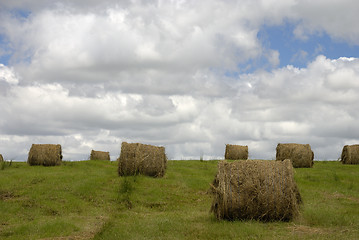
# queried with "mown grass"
point(88, 200)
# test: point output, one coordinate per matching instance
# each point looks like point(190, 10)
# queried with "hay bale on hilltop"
point(301, 155)
point(99, 155)
point(350, 154)
point(236, 152)
point(1, 158)
point(137, 158)
point(255, 189)
point(45, 154)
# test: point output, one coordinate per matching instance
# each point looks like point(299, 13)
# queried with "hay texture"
point(45, 154)
point(350, 154)
point(236, 152)
point(137, 158)
point(255, 189)
point(99, 155)
point(1, 158)
point(301, 155)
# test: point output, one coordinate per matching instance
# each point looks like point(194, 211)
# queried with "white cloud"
point(63, 44)
point(345, 79)
point(300, 56)
point(273, 58)
point(157, 72)
point(7, 75)
point(336, 18)
point(288, 104)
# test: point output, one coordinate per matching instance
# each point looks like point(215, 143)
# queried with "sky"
point(188, 75)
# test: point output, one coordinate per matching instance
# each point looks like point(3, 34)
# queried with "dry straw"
point(236, 152)
point(350, 154)
point(301, 155)
point(255, 189)
point(99, 155)
point(137, 158)
point(45, 154)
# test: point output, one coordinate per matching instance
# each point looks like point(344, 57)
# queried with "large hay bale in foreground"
point(350, 154)
point(236, 152)
point(1, 158)
point(99, 155)
point(301, 155)
point(255, 189)
point(137, 158)
point(45, 154)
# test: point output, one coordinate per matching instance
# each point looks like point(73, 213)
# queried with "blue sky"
point(189, 75)
point(4, 56)
point(298, 52)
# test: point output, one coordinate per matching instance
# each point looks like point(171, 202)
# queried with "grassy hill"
point(88, 200)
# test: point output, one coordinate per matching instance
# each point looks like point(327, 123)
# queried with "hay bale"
point(137, 158)
point(236, 152)
point(45, 154)
point(350, 154)
point(255, 189)
point(99, 155)
point(1, 158)
point(301, 155)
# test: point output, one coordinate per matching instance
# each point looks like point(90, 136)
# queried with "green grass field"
point(88, 200)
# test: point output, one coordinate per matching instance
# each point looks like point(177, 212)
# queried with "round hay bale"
point(236, 152)
point(45, 154)
point(137, 158)
point(99, 155)
point(350, 154)
point(1, 158)
point(255, 189)
point(301, 155)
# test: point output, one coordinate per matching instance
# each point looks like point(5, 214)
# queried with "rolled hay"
point(1, 158)
point(236, 152)
point(45, 154)
point(137, 158)
point(301, 155)
point(99, 155)
point(350, 154)
point(255, 189)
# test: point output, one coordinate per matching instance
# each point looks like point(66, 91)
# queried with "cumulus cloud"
point(7, 75)
point(133, 49)
point(169, 73)
point(283, 105)
point(306, 103)
point(336, 18)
